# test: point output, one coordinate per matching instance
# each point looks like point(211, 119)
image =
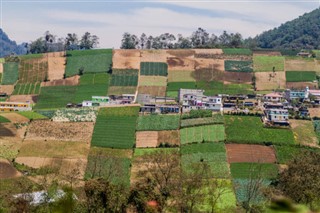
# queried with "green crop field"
point(139, 152)
point(216, 119)
point(268, 63)
point(153, 68)
point(4, 120)
point(32, 115)
point(238, 66)
point(92, 85)
point(253, 170)
point(10, 73)
point(27, 89)
point(31, 71)
point(118, 90)
point(236, 51)
point(216, 87)
point(0, 78)
point(158, 122)
point(56, 97)
point(125, 72)
point(214, 154)
point(115, 127)
point(110, 164)
point(296, 76)
point(249, 129)
point(286, 153)
point(175, 86)
point(124, 80)
point(208, 133)
point(91, 61)
point(46, 113)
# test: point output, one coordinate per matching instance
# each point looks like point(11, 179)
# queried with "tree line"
point(51, 43)
point(198, 39)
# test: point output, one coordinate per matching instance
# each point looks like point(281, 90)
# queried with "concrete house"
point(273, 97)
point(213, 103)
point(277, 117)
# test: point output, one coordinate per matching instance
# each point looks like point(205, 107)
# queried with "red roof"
point(274, 95)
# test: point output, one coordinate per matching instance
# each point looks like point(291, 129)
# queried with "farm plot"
point(238, 77)
point(170, 138)
point(10, 73)
point(268, 63)
point(286, 153)
point(146, 139)
point(8, 89)
point(56, 65)
point(207, 53)
point(27, 89)
point(301, 85)
point(153, 56)
point(214, 73)
point(126, 59)
point(214, 154)
point(270, 80)
point(89, 61)
point(236, 51)
point(33, 70)
point(215, 87)
point(253, 170)
point(158, 122)
point(153, 68)
point(32, 115)
point(301, 65)
point(181, 53)
point(15, 117)
point(159, 81)
point(181, 76)
point(266, 52)
point(304, 133)
point(216, 119)
point(314, 112)
point(71, 81)
point(90, 85)
point(110, 164)
point(118, 90)
point(152, 90)
point(300, 76)
point(249, 129)
point(75, 115)
point(115, 127)
point(177, 63)
point(7, 170)
point(24, 98)
point(208, 133)
point(55, 97)
point(124, 80)
point(4, 120)
point(238, 66)
point(240, 153)
point(175, 86)
point(61, 131)
point(209, 63)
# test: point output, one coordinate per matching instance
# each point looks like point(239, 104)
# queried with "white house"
point(273, 97)
point(213, 103)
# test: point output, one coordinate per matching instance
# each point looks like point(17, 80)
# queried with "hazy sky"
point(26, 20)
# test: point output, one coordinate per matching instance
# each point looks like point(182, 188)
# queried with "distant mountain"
point(300, 33)
point(8, 46)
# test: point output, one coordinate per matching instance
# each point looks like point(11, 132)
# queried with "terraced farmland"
point(300, 76)
point(27, 89)
point(154, 68)
point(158, 122)
point(207, 133)
point(115, 127)
point(268, 63)
point(10, 73)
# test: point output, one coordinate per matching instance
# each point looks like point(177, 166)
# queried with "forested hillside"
point(8, 46)
point(302, 32)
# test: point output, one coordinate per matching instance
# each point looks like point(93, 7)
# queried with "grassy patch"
point(286, 153)
point(202, 148)
point(216, 119)
point(32, 115)
point(153, 68)
point(175, 86)
point(124, 80)
point(181, 76)
point(304, 132)
point(115, 127)
point(56, 97)
point(16, 185)
point(10, 73)
point(119, 90)
point(158, 122)
point(253, 170)
point(249, 129)
point(90, 61)
point(4, 120)
point(236, 51)
point(268, 63)
point(302, 76)
point(160, 81)
point(139, 152)
point(238, 66)
point(208, 133)
point(216, 87)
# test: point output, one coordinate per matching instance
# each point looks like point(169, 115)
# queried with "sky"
point(27, 20)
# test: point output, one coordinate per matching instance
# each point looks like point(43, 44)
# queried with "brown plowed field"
point(301, 85)
point(169, 137)
point(314, 112)
point(56, 65)
point(238, 77)
point(15, 117)
point(302, 65)
point(178, 63)
point(145, 139)
point(7, 170)
point(268, 53)
point(153, 56)
point(152, 90)
point(270, 80)
point(237, 153)
point(208, 75)
point(24, 98)
point(209, 63)
point(6, 89)
point(72, 81)
point(181, 53)
point(61, 131)
point(126, 59)
point(199, 53)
